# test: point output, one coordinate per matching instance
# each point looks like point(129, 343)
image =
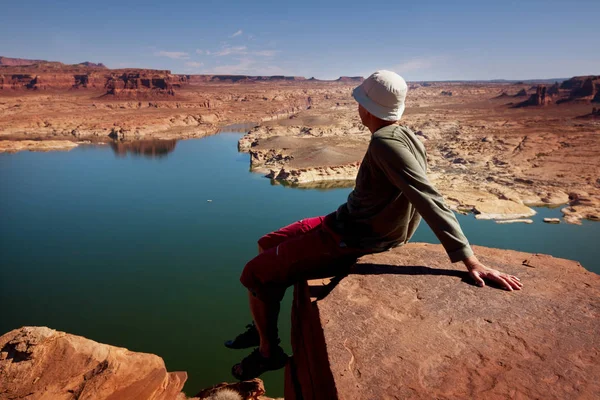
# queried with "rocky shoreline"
point(494, 149)
point(485, 157)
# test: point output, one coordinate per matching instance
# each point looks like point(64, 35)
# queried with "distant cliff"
point(349, 79)
point(139, 83)
point(21, 62)
point(18, 61)
point(18, 74)
point(581, 89)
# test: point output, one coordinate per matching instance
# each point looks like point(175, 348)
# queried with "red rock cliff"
point(542, 97)
point(405, 324)
point(41, 363)
point(139, 83)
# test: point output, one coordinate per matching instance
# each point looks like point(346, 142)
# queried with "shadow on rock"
point(328, 282)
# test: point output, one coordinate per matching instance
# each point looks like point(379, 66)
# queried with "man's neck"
point(377, 125)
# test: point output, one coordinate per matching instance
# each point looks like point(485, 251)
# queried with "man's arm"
point(403, 170)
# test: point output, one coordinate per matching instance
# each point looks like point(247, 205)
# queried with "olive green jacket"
point(391, 195)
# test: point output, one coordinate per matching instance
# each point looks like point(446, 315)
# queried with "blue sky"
point(421, 40)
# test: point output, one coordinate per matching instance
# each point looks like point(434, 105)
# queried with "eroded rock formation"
point(521, 93)
point(554, 90)
point(41, 363)
point(583, 88)
point(38, 363)
point(140, 84)
point(577, 89)
point(407, 324)
point(542, 97)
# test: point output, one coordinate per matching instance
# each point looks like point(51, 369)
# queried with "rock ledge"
point(407, 324)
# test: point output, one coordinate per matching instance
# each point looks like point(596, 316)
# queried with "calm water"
point(125, 249)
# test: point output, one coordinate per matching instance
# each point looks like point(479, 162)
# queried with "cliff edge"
point(41, 363)
point(406, 324)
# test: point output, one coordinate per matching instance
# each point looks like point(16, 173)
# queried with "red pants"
point(303, 250)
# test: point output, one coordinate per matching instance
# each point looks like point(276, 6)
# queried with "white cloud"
point(238, 33)
point(194, 64)
point(416, 64)
point(247, 66)
point(233, 69)
point(176, 55)
point(228, 50)
point(265, 53)
point(200, 51)
point(413, 65)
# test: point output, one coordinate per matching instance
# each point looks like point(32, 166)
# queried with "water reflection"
point(242, 127)
point(320, 185)
point(147, 148)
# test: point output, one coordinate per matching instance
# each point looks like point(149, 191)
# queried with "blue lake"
point(109, 243)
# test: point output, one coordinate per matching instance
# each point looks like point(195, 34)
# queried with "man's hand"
point(480, 273)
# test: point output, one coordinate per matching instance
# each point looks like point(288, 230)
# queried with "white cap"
point(382, 94)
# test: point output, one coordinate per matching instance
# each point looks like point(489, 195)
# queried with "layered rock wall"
point(139, 84)
point(541, 97)
point(583, 88)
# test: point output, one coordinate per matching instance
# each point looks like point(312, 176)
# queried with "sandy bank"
point(12, 146)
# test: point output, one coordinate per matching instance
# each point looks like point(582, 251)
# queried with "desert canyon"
point(495, 148)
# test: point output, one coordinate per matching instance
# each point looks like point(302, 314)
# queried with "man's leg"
point(264, 296)
point(269, 274)
point(265, 316)
point(259, 308)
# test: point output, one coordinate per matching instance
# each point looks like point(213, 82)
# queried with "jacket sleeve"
point(404, 171)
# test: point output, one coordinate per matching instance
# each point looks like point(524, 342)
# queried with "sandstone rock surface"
point(406, 324)
point(552, 220)
point(10, 146)
point(502, 209)
point(514, 221)
point(41, 363)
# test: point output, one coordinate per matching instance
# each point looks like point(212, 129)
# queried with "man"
point(391, 195)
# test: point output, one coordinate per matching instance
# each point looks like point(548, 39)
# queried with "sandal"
point(255, 364)
point(245, 340)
